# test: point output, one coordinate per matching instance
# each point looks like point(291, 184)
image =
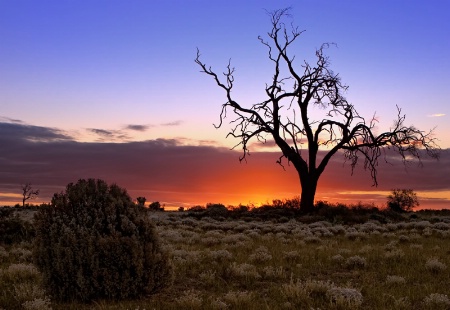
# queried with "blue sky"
point(104, 64)
point(124, 71)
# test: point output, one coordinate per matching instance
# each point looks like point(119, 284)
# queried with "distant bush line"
point(284, 210)
point(13, 229)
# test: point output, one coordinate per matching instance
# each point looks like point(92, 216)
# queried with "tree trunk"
point(309, 186)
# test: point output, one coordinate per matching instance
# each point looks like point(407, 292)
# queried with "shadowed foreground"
point(250, 263)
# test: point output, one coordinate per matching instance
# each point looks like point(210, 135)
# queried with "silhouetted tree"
point(141, 201)
point(402, 200)
point(28, 193)
point(285, 116)
point(155, 206)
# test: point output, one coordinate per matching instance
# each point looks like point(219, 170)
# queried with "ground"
point(253, 264)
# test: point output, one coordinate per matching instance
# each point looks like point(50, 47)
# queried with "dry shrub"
point(93, 242)
point(13, 229)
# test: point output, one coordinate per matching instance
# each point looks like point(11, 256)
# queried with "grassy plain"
point(285, 264)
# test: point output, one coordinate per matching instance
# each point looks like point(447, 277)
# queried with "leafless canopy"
point(294, 95)
point(28, 193)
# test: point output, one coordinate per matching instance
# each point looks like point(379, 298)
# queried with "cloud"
point(18, 130)
point(173, 172)
point(102, 132)
point(263, 146)
point(108, 135)
point(10, 120)
point(189, 141)
point(436, 115)
point(137, 127)
point(174, 123)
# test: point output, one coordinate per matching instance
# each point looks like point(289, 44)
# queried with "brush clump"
point(92, 242)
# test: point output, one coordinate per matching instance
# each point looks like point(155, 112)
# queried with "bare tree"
point(286, 115)
point(28, 193)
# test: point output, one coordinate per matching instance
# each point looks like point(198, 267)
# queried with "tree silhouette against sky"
point(28, 193)
point(286, 116)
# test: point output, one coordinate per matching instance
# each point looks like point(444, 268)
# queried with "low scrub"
point(13, 229)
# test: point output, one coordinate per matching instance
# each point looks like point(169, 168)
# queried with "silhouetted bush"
point(216, 210)
point(197, 209)
point(292, 203)
point(13, 229)
point(392, 216)
point(155, 206)
point(141, 201)
point(352, 214)
point(414, 216)
point(6, 212)
point(93, 242)
point(240, 209)
point(380, 217)
point(334, 213)
point(287, 209)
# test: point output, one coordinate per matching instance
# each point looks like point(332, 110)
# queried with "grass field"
point(254, 264)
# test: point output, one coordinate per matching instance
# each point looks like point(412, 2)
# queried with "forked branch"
point(285, 116)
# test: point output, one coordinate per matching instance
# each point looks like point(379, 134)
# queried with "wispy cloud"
point(11, 120)
point(174, 123)
point(189, 141)
point(101, 132)
point(436, 115)
point(109, 135)
point(137, 127)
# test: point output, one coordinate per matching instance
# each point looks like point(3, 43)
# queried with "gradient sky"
point(110, 89)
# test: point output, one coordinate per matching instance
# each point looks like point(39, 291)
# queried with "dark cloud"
point(172, 172)
point(19, 131)
point(137, 127)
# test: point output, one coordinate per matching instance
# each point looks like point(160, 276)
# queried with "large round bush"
point(93, 242)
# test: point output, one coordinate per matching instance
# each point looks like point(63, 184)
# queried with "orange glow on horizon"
point(216, 176)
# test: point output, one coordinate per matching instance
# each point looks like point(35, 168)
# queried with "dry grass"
point(234, 264)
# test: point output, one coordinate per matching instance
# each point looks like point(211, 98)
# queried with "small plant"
point(346, 297)
point(434, 265)
point(93, 242)
point(260, 255)
point(190, 300)
point(356, 262)
point(437, 300)
point(395, 280)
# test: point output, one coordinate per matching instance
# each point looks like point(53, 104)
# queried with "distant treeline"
point(287, 209)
